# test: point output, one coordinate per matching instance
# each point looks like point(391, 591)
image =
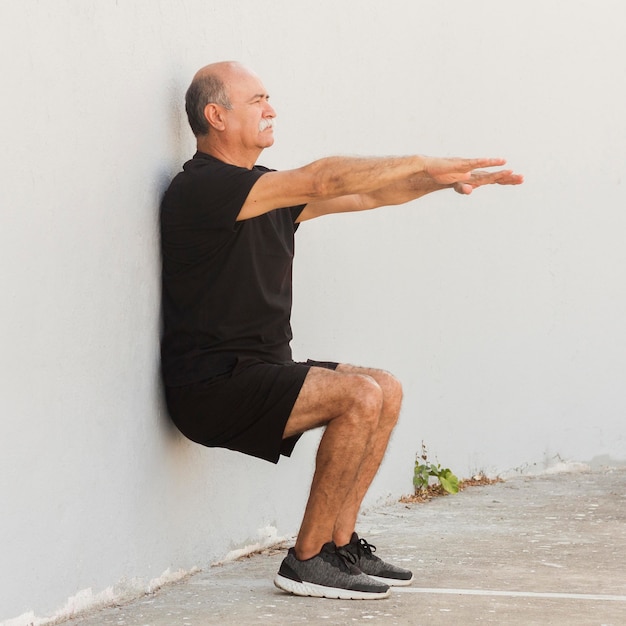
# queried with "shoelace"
point(362, 547)
point(346, 557)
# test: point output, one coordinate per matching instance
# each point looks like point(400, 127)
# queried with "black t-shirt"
point(226, 285)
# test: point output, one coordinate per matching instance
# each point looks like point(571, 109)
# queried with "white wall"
point(502, 312)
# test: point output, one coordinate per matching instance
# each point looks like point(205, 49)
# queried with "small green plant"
point(424, 470)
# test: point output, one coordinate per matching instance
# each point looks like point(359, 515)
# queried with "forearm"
point(400, 192)
point(340, 176)
point(411, 188)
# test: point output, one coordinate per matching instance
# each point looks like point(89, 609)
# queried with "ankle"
point(342, 539)
point(306, 552)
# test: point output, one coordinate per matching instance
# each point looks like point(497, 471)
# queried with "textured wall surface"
point(503, 313)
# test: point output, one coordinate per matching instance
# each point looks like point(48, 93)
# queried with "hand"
point(479, 178)
point(463, 175)
point(447, 171)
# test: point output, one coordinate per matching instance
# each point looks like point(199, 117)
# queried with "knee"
point(391, 387)
point(392, 396)
point(367, 398)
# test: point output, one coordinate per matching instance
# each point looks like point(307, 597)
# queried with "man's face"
point(251, 119)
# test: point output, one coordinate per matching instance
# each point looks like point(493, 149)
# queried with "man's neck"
point(227, 154)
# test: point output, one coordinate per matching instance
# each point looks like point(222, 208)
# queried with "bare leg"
point(374, 453)
point(359, 414)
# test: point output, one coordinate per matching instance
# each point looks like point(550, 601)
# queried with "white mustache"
point(266, 122)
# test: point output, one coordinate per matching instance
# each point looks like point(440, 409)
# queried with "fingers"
point(479, 178)
point(474, 164)
point(515, 179)
point(453, 170)
point(466, 174)
point(501, 177)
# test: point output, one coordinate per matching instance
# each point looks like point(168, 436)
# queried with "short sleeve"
point(210, 194)
point(295, 214)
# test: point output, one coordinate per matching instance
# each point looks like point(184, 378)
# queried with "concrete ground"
point(532, 550)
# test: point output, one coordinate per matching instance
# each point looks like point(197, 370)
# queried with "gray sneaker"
point(374, 566)
point(329, 574)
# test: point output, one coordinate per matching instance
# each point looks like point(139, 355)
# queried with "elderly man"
point(227, 227)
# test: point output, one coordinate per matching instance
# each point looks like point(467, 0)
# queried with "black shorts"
point(245, 410)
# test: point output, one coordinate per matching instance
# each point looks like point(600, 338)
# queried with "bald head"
point(210, 85)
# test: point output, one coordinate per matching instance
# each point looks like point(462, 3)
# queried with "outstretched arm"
point(346, 177)
point(434, 178)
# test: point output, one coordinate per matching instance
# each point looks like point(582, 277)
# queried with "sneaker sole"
point(320, 591)
point(393, 582)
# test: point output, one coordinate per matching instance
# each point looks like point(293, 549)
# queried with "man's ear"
point(213, 115)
